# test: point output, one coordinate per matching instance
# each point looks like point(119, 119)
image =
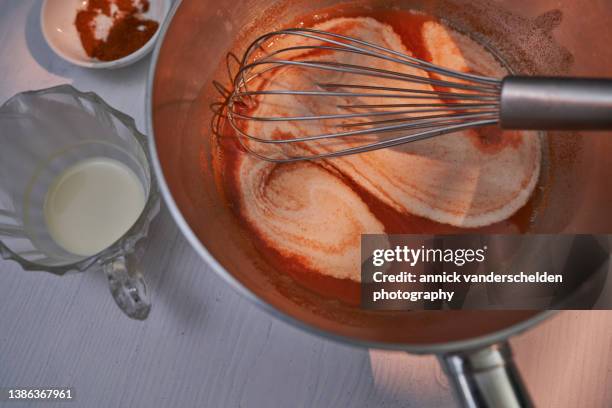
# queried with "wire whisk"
point(288, 102)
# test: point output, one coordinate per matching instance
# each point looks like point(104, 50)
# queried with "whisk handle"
point(550, 103)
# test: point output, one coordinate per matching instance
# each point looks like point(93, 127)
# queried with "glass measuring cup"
point(42, 134)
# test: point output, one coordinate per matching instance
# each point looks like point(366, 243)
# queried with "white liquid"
point(92, 204)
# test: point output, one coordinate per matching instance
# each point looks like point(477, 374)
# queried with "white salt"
point(102, 25)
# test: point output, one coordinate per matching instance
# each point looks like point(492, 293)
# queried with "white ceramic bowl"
point(57, 25)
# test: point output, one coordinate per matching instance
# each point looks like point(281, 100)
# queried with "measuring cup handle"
point(486, 378)
point(128, 286)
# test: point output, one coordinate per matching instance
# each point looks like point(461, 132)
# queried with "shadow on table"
point(169, 266)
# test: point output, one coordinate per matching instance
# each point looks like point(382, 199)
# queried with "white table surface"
point(205, 346)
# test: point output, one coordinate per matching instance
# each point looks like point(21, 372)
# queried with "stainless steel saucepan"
point(547, 37)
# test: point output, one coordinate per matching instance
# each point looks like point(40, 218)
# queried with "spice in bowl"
point(112, 29)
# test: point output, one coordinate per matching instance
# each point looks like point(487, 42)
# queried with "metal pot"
point(546, 37)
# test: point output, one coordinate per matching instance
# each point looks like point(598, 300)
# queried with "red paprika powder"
point(127, 33)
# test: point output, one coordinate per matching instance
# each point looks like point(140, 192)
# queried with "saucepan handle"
point(486, 378)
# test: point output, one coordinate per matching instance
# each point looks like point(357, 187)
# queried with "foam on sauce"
point(307, 218)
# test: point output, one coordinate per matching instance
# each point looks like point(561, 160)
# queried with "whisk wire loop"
point(440, 101)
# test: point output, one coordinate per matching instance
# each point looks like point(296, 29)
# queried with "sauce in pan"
point(307, 218)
